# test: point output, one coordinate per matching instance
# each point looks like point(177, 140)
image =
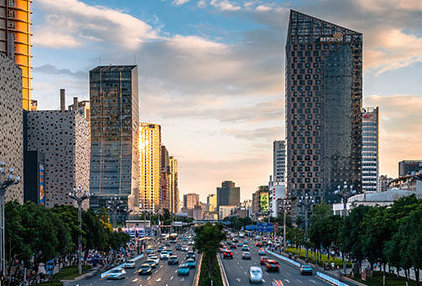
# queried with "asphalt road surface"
point(237, 270)
point(163, 275)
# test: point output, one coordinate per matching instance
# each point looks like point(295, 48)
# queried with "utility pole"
point(79, 197)
point(344, 195)
point(6, 180)
point(306, 202)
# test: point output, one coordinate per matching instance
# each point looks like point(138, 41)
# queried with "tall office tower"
point(370, 143)
point(212, 202)
point(114, 135)
point(165, 194)
point(190, 201)
point(149, 182)
point(407, 167)
point(15, 40)
point(228, 194)
point(279, 160)
point(323, 108)
point(174, 185)
point(11, 125)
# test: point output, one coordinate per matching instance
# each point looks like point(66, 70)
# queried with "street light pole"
point(114, 205)
point(5, 182)
point(79, 196)
point(306, 202)
point(344, 195)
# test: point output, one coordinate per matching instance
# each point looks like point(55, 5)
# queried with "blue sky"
point(211, 73)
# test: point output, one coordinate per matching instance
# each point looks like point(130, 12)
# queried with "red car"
point(228, 254)
point(272, 265)
point(264, 260)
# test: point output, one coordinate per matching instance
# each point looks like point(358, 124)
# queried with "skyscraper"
point(114, 134)
point(279, 160)
point(15, 40)
point(174, 185)
point(190, 201)
point(370, 143)
point(149, 149)
point(212, 202)
point(323, 107)
point(165, 194)
point(228, 194)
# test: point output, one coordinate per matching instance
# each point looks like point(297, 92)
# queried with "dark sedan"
point(272, 266)
point(145, 269)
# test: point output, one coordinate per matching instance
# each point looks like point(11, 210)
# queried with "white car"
point(116, 274)
point(185, 248)
point(164, 255)
point(130, 264)
point(155, 258)
point(255, 274)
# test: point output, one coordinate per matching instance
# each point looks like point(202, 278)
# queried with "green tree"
point(207, 240)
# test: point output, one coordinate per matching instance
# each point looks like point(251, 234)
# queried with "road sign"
point(264, 227)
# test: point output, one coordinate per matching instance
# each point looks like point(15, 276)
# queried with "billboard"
point(263, 202)
point(42, 185)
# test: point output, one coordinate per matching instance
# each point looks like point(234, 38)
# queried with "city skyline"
point(238, 140)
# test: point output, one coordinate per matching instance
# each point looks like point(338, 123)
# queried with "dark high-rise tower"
point(228, 194)
point(114, 134)
point(323, 107)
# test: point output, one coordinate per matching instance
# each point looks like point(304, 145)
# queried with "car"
point(161, 248)
point(173, 260)
point(228, 254)
point(240, 244)
point(262, 252)
point(263, 260)
point(255, 274)
point(183, 269)
point(130, 264)
point(178, 246)
point(191, 242)
point(167, 243)
point(245, 248)
point(116, 274)
point(272, 266)
point(258, 244)
point(246, 255)
point(190, 262)
point(155, 258)
point(151, 262)
point(233, 246)
point(185, 248)
point(245, 242)
point(223, 249)
point(190, 254)
point(145, 269)
point(150, 251)
point(305, 269)
point(185, 239)
point(164, 255)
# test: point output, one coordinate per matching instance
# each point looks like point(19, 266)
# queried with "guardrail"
point(198, 272)
point(222, 271)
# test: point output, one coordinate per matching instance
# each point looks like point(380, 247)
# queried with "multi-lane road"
point(237, 270)
point(163, 275)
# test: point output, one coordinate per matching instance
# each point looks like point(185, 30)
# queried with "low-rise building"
point(225, 211)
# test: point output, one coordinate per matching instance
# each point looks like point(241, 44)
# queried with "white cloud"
point(225, 5)
point(180, 2)
point(72, 23)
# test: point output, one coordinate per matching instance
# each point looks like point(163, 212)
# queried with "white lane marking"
point(161, 266)
point(167, 285)
point(149, 278)
point(263, 280)
point(300, 281)
point(238, 279)
point(158, 280)
point(175, 271)
point(183, 279)
point(288, 281)
point(313, 281)
point(245, 272)
point(171, 277)
point(134, 280)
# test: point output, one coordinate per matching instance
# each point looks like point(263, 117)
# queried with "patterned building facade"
point(11, 124)
point(323, 107)
point(114, 103)
point(63, 137)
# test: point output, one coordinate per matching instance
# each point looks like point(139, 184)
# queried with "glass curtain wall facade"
point(114, 169)
point(370, 143)
point(323, 108)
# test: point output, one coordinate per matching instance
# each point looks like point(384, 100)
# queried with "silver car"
point(255, 274)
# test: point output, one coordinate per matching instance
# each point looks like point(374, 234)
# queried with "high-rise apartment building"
point(279, 160)
point(114, 134)
point(165, 194)
point(149, 182)
point(190, 201)
point(212, 202)
point(370, 145)
point(174, 185)
point(228, 194)
point(407, 167)
point(15, 40)
point(323, 108)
